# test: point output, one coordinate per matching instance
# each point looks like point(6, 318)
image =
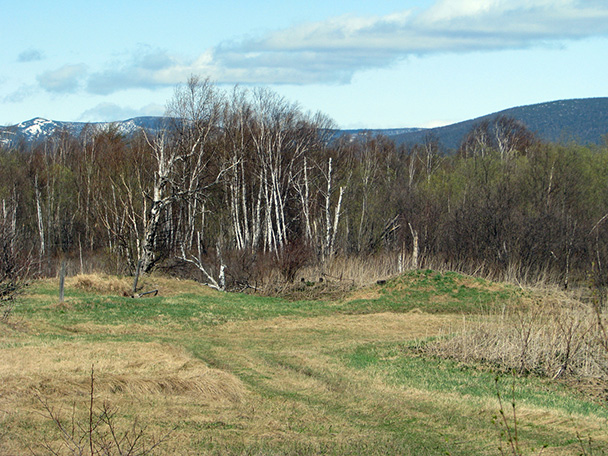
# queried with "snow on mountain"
point(38, 129)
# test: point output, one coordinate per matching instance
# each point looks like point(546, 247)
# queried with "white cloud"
point(437, 123)
point(63, 80)
point(332, 51)
point(111, 112)
point(22, 93)
point(450, 10)
point(149, 69)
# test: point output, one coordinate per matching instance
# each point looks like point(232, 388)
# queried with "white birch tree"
point(184, 171)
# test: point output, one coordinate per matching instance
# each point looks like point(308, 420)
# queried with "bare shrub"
point(553, 336)
point(242, 269)
point(506, 423)
point(242, 272)
point(292, 258)
point(14, 270)
point(97, 432)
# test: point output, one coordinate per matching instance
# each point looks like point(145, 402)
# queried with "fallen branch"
point(197, 263)
point(141, 295)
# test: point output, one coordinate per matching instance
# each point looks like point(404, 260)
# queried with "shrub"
point(14, 270)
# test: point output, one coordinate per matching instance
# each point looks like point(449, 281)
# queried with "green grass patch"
point(430, 291)
point(400, 366)
point(188, 310)
point(463, 388)
point(436, 292)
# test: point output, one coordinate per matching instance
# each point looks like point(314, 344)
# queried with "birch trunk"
point(246, 233)
point(164, 163)
point(305, 203)
point(40, 219)
point(336, 221)
point(327, 212)
point(414, 247)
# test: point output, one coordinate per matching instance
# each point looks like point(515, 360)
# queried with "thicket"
point(246, 182)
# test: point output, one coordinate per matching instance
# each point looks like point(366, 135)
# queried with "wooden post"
point(80, 251)
point(61, 281)
point(137, 271)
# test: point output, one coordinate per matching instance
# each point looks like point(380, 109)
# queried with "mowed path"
point(306, 389)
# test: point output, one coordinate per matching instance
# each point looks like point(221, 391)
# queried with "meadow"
point(322, 370)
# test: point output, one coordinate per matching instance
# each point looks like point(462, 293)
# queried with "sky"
point(365, 64)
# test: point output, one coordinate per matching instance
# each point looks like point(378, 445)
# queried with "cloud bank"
point(107, 112)
point(332, 51)
point(63, 80)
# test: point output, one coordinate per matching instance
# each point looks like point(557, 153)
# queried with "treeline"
point(244, 181)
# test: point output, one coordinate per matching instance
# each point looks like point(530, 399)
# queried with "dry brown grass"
point(133, 377)
point(365, 293)
point(119, 286)
point(136, 368)
point(341, 277)
point(554, 334)
point(345, 329)
point(294, 356)
point(99, 283)
point(350, 271)
point(169, 387)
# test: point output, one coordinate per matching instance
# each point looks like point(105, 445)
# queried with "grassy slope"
point(238, 374)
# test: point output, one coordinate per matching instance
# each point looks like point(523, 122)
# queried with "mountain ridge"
point(39, 128)
point(582, 120)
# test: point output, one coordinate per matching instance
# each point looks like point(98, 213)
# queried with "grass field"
point(238, 374)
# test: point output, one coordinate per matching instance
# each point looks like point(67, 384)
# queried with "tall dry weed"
point(101, 283)
point(96, 432)
point(358, 270)
point(555, 335)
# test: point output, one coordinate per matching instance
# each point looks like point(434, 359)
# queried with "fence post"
point(61, 281)
point(137, 272)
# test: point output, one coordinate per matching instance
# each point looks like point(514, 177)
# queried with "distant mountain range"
point(584, 121)
point(38, 128)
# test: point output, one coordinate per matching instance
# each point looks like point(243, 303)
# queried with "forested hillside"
point(583, 121)
point(246, 182)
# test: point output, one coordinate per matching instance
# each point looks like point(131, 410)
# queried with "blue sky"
point(379, 64)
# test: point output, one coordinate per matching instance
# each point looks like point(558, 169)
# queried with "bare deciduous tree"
point(184, 171)
point(14, 269)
